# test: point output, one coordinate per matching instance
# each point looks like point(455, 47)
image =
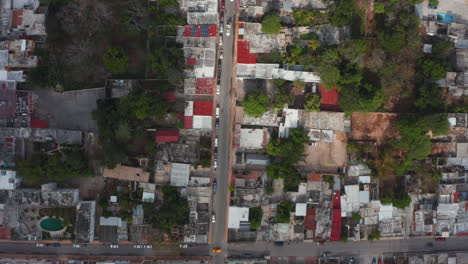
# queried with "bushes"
point(271, 24)
point(115, 60)
point(432, 68)
point(304, 17)
point(341, 12)
point(255, 217)
point(283, 212)
point(312, 102)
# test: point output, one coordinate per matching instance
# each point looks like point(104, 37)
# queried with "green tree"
point(429, 98)
point(356, 217)
point(432, 68)
point(374, 235)
point(341, 12)
point(271, 24)
point(312, 102)
point(115, 60)
point(41, 168)
point(392, 41)
point(174, 210)
point(361, 98)
point(255, 217)
point(283, 211)
point(256, 104)
point(437, 123)
point(143, 107)
point(330, 75)
point(401, 200)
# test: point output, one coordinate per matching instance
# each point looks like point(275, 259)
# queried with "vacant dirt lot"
point(327, 157)
point(373, 127)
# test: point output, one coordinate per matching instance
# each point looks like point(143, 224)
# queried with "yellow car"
point(216, 250)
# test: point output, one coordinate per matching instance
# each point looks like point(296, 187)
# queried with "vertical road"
point(220, 200)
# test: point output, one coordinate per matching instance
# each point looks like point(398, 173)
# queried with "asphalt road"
point(95, 250)
point(220, 201)
point(361, 248)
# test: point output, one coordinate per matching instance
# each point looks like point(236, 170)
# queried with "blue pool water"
point(445, 18)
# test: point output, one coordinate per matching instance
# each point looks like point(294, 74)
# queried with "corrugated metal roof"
point(167, 135)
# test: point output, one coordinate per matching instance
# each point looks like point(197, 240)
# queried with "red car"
point(221, 16)
point(440, 239)
point(222, 6)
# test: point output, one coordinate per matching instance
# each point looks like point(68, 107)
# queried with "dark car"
point(221, 16)
point(217, 123)
point(215, 187)
point(279, 244)
point(222, 6)
point(440, 239)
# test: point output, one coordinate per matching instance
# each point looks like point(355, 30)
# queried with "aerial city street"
point(234, 131)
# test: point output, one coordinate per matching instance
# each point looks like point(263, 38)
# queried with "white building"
point(8, 180)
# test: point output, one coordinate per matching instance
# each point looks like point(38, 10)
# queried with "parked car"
point(217, 111)
point(215, 164)
point(221, 27)
point(228, 32)
point(220, 55)
point(183, 246)
point(312, 143)
point(213, 219)
point(222, 6)
point(440, 239)
point(217, 122)
point(216, 142)
point(76, 245)
point(148, 246)
point(114, 246)
point(221, 16)
point(218, 89)
point(215, 187)
point(137, 246)
point(40, 245)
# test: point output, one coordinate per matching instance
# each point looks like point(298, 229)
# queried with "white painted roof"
point(386, 212)
point(180, 173)
point(202, 122)
point(8, 180)
point(251, 138)
point(364, 196)
point(301, 209)
point(237, 215)
point(292, 116)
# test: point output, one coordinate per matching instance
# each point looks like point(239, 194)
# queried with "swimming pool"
point(51, 224)
point(445, 18)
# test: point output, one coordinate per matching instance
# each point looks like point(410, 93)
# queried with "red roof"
point(167, 136)
point(203, 108)
point(310, 219)
point(329, 98)
point(5, 233)
point(336, 200)
point(188, 122)
point(38, 124)
point(243, 53)
point(169, 96)
point(336, 225)
point(200, 31)
point(191, 61)
point(16, 18)
point(314, 177)
point(205, 85)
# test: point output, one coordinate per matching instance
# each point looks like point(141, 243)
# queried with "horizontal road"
point(303, 249)
point(361, 248)
point(98, 250)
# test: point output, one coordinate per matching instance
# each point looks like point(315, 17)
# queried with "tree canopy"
point(41, 168)
point(312, 102)
point(271, 24)
point(256, 104)
point(255, 217)
point(115, 60)
point(174, 210)
point(283, 212)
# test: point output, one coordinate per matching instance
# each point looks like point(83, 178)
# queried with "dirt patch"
point(373, 127)
point(90, 187)
point(327, 157)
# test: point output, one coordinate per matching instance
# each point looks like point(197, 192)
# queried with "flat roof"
point(180, 173)
point(237, 215)
point(252, 138)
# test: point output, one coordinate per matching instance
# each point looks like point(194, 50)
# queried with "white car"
point(148, 246)
point(137, 246)
point(183, 246)
point(40, 245)
point(114, 246)
point(76, 245)
point(217, 112)
point(216, 141)
point(228, 32)
point(213, 219)
point(218, 88)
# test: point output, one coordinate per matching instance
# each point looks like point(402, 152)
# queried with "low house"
point(8, 180)
point(163, 136)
